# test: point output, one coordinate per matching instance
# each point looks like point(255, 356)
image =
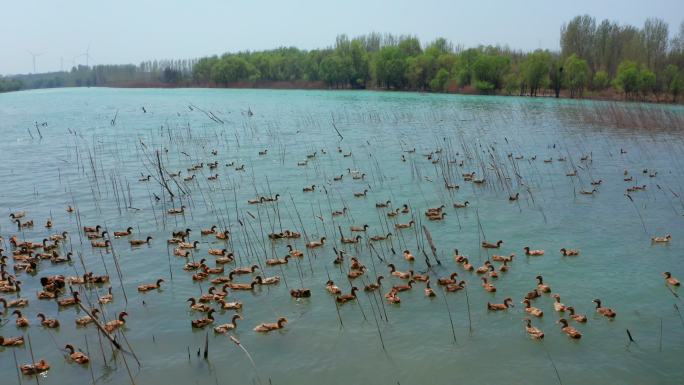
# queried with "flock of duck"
point(25, 257)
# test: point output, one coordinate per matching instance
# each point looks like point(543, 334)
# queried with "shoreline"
point(608, 95)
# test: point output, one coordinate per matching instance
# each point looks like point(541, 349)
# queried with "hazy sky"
point(129, 31)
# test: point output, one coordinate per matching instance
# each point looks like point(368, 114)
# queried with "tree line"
point(604, 57)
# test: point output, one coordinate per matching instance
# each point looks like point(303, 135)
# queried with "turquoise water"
point(85, 161)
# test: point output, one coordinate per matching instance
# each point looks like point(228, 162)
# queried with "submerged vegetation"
point(604, 58)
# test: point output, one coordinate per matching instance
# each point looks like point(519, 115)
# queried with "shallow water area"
point(96, 144)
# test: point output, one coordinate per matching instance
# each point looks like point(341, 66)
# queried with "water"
point(82, 158)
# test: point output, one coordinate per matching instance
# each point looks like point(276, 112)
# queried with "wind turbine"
point(34, 55)
point(87, 55)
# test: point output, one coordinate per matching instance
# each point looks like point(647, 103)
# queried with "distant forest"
point(595, 59)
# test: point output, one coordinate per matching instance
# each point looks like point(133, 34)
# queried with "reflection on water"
point(86, 161)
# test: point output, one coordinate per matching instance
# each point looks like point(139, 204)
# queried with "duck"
point(455, 287)
point(407, 286)
point(229, 305)
point(194, 305)
point(376, 238)
point(228, 258)
point(541, 286)
point(504, 267)
point(459, 205)
point(223, 235)
point(533, 252)
point(312, 188)
point(86, 320)
point(17, 214)
point(294, 252)
point(188, 245)
point(300, 293)
point(92, 229)
point(534, 332)
point(569, 330)
point(358, 228)
point(176, 210)
point(337, 213)
point(383, 204)
point(75, 356)
point(97, 235)
point(408, 256)
point(338, 178)
point(150, 286)
point(59, 237)
point(267, 327)
point(437, 217)
point(392, 297)
point(577, 317)
point(533, 294)
point(428, 290)
point(508, 302)
point(244, 270)
point(466, 265)
point(355, 240)
point(217, 252)
point(56, 259)
point(484, 268)
point(604, 311)
point(374, 286)
point(35, 368)
point(139, 242)
point(531, 309)
point(569, 252)
point(178, 252)
point(399, 274)
point(393, 213)
point(448, 281)
point(343, 298)
point(489, 245)
point(404, 225)
point(73, 300)
point(434, 210)
point(213, 177)
point(100, 244)
point(49, 323)
point(203, 322)
point(190, 266)
point(488, 286)
point(353, 274)
point(405, 209)
point(209, 231)
point(515, 197)
point(278, 261)
point(128, 231)
point(315, 244)
point(664, 239)
point(107, 298)
point(492, 272)
point(21, 321)
point(557, 305)
point(670, 280)
point(20, 302)
point(361, 194)
point(267, 280)
point(332, 288)
point(243, 286)
point(503, 258)
point(225, 328)
point(588, 192)
point(11, 341)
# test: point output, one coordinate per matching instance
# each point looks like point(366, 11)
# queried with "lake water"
point(87, 160)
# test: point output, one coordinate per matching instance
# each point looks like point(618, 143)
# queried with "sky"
point(131, 31)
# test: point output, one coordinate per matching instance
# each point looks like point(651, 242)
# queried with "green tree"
point(576, 75)
point(390, 67)
point(489, 71)
point(674, 81)
point(535, 70)
point(441, 81)
point(601, 81)
point(647, 81)
point(628, 77)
